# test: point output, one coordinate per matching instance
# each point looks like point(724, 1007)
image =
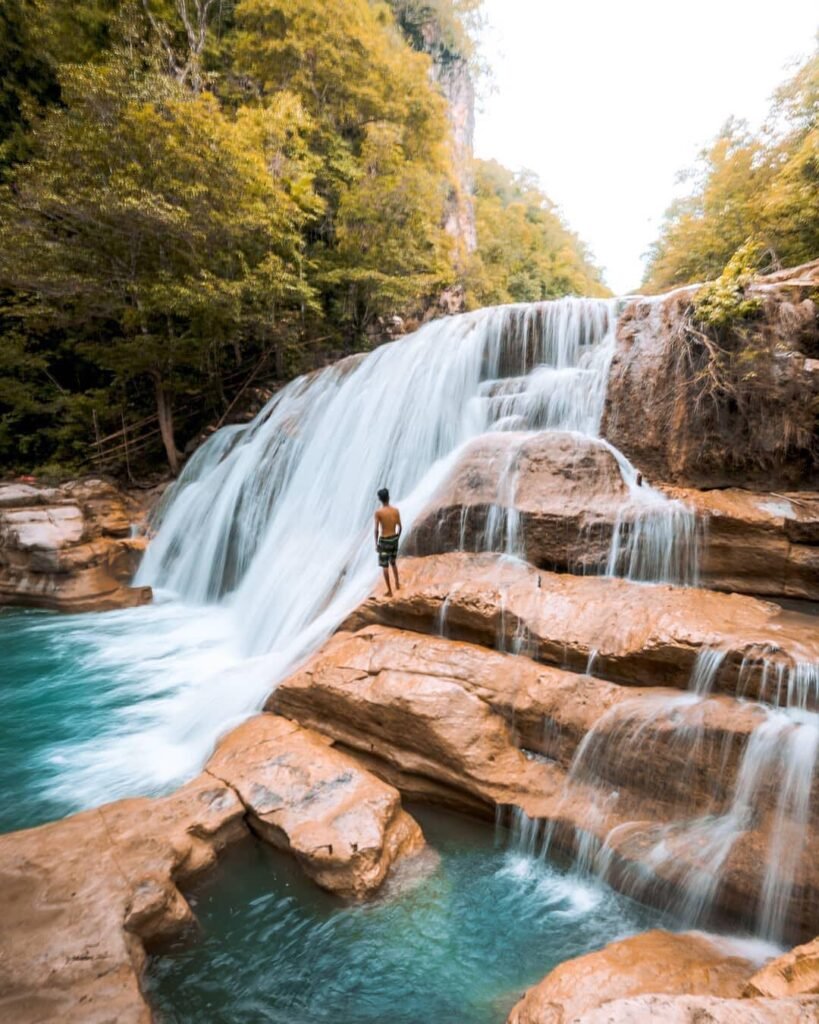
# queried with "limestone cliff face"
point(454, 78)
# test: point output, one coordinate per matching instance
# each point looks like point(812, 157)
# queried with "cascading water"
point(760, 777)
point(264, 544)
point(267, 531)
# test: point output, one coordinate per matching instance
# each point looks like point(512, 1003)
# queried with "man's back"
point(389, 519)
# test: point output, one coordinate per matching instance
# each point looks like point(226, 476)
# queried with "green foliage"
point(151, 230)
point(763, 189)
point(525, 251)
point(190, 186)
point(724, 301)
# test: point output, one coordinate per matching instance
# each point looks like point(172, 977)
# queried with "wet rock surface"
point(634, 634)
point(653, 963)
point(559, 499)
point(636, 772)
point(564, 490)
point(796, 973)
point(345, 826)
point(84, 898)
point(69, 548)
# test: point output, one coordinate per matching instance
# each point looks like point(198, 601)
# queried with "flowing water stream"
point(264, 544)
point(261, 548)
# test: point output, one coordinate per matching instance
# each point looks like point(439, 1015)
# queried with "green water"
point(96, 707)
point(45, 708)
point(458, 947)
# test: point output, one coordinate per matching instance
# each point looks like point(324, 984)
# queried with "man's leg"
point(387, 581)
point(395, 574)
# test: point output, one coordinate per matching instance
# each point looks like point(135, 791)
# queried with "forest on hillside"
point(196, 192)
point(753, 196)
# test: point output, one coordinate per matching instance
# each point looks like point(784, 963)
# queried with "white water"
point(265, 543)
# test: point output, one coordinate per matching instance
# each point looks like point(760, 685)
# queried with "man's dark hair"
point(384, 496)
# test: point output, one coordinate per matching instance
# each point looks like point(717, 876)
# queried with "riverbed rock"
point(84, 897)
point(633, 633)
point(796, 973)
point(426, 715)
point(564, 491)
point(655, 962)
point(558, 499)
point(757, 542)
point(345, 827)
point(69, 548)
point(655, 419)
point(381, 687)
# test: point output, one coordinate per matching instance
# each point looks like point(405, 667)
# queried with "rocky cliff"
point(741, 408)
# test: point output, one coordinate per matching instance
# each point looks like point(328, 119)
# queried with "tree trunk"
point(164, 409)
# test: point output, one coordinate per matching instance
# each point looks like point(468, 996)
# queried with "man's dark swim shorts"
point(387, 551)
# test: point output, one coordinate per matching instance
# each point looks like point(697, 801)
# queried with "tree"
point(525, 251)
point(151, 227)
point(759, 190)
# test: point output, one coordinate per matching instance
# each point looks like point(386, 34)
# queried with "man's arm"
point(375, 517)
point(400, 526)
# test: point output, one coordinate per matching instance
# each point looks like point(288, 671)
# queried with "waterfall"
point(288, 498)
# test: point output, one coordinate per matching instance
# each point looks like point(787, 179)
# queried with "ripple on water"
point(460, 945)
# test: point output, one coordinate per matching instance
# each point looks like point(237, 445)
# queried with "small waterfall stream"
point(264, 545)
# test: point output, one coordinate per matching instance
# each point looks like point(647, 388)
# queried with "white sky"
point(606, 100)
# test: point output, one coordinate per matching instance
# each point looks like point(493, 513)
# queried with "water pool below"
point(458, 946)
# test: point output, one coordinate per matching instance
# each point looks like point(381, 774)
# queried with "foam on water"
point(264, 544)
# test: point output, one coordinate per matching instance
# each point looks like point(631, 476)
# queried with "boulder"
point(560, 493)
point(69, 548)
point(796, 973)
point(764, 433)
point(85, 898)
point(632, 633)
point(345, 827)
point(654, 962)
point(559, 499)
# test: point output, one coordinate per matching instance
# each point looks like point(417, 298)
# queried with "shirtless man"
point(388, 522)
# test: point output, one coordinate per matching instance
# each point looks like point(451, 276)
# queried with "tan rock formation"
point(84, 898)
point(637, 634)
point(757, 542)
point(345, 827)
point(663, 429)
point(567, 496)
point(655, 963)
point(444, 720)
point(794, 974)
point(567, 491)
point(68, 548)
point(701, 1010)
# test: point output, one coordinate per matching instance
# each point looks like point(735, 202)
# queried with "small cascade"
point(655, 539)
point(706, 670)
point(720, 771)
point(502, 530)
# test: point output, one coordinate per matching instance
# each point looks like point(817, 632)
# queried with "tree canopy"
point(191, 187)
point(525, 251)
point(759, 190)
